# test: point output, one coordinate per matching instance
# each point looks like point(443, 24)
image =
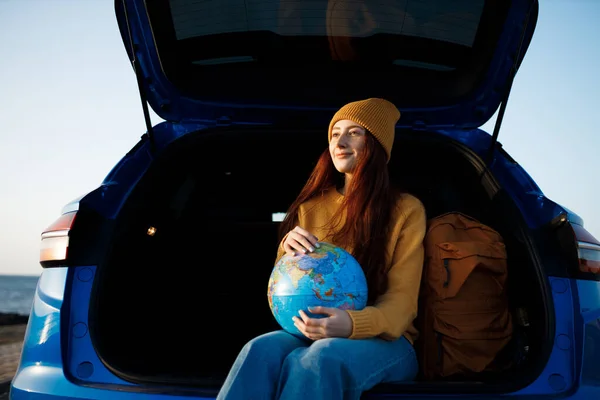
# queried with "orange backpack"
point(464, 318)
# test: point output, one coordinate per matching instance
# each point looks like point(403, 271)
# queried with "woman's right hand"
point(300, 241)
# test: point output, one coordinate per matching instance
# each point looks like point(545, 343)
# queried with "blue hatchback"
point(152, 282)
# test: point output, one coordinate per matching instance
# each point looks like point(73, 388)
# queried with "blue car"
point(153, 282)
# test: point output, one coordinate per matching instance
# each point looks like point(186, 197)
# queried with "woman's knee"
point(324, 354)
point(328, 349)
point(271, 345)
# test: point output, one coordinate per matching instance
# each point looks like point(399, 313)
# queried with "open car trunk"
point(185, 284)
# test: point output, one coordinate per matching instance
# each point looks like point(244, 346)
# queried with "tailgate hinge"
point(138, 74)
point(507, 89)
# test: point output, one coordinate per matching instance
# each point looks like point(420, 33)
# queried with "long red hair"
point(368, 206)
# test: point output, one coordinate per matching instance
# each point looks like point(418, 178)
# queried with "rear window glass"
point(420, 51)
point(455, 22)
point(452, 21)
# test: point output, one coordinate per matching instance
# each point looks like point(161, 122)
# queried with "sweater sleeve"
point(394, 311)
point(280, 249)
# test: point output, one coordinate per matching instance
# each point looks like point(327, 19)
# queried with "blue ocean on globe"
point(329, 277)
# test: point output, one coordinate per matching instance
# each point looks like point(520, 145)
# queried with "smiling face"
point(346, 145)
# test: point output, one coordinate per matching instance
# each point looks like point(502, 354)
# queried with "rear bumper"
point(49, 383)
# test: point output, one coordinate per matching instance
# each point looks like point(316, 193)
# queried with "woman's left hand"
point(337, 323)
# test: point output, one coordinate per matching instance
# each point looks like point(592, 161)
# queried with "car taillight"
point(55, 241)
point(588, 250)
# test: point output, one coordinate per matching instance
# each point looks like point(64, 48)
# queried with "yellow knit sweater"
point(393, 313)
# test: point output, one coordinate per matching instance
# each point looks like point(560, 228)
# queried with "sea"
point(16, 293)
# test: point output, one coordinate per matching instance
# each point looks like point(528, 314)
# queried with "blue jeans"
point(278, 365)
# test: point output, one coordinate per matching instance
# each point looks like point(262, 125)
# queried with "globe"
point(328, 277)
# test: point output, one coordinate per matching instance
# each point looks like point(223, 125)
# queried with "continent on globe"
point(329, 277)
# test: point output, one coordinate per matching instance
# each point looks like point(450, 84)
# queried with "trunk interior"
point(177, 306)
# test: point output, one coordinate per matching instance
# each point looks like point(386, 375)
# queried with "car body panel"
point(470, 107)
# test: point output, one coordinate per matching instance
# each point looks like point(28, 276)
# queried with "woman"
point(347, 352)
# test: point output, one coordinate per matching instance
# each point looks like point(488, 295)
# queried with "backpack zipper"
point(440, 358)
point(446, 266)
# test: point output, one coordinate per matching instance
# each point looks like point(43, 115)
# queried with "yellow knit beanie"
point(378, 116)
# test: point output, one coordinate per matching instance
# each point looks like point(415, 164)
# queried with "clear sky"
point(69, 110)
